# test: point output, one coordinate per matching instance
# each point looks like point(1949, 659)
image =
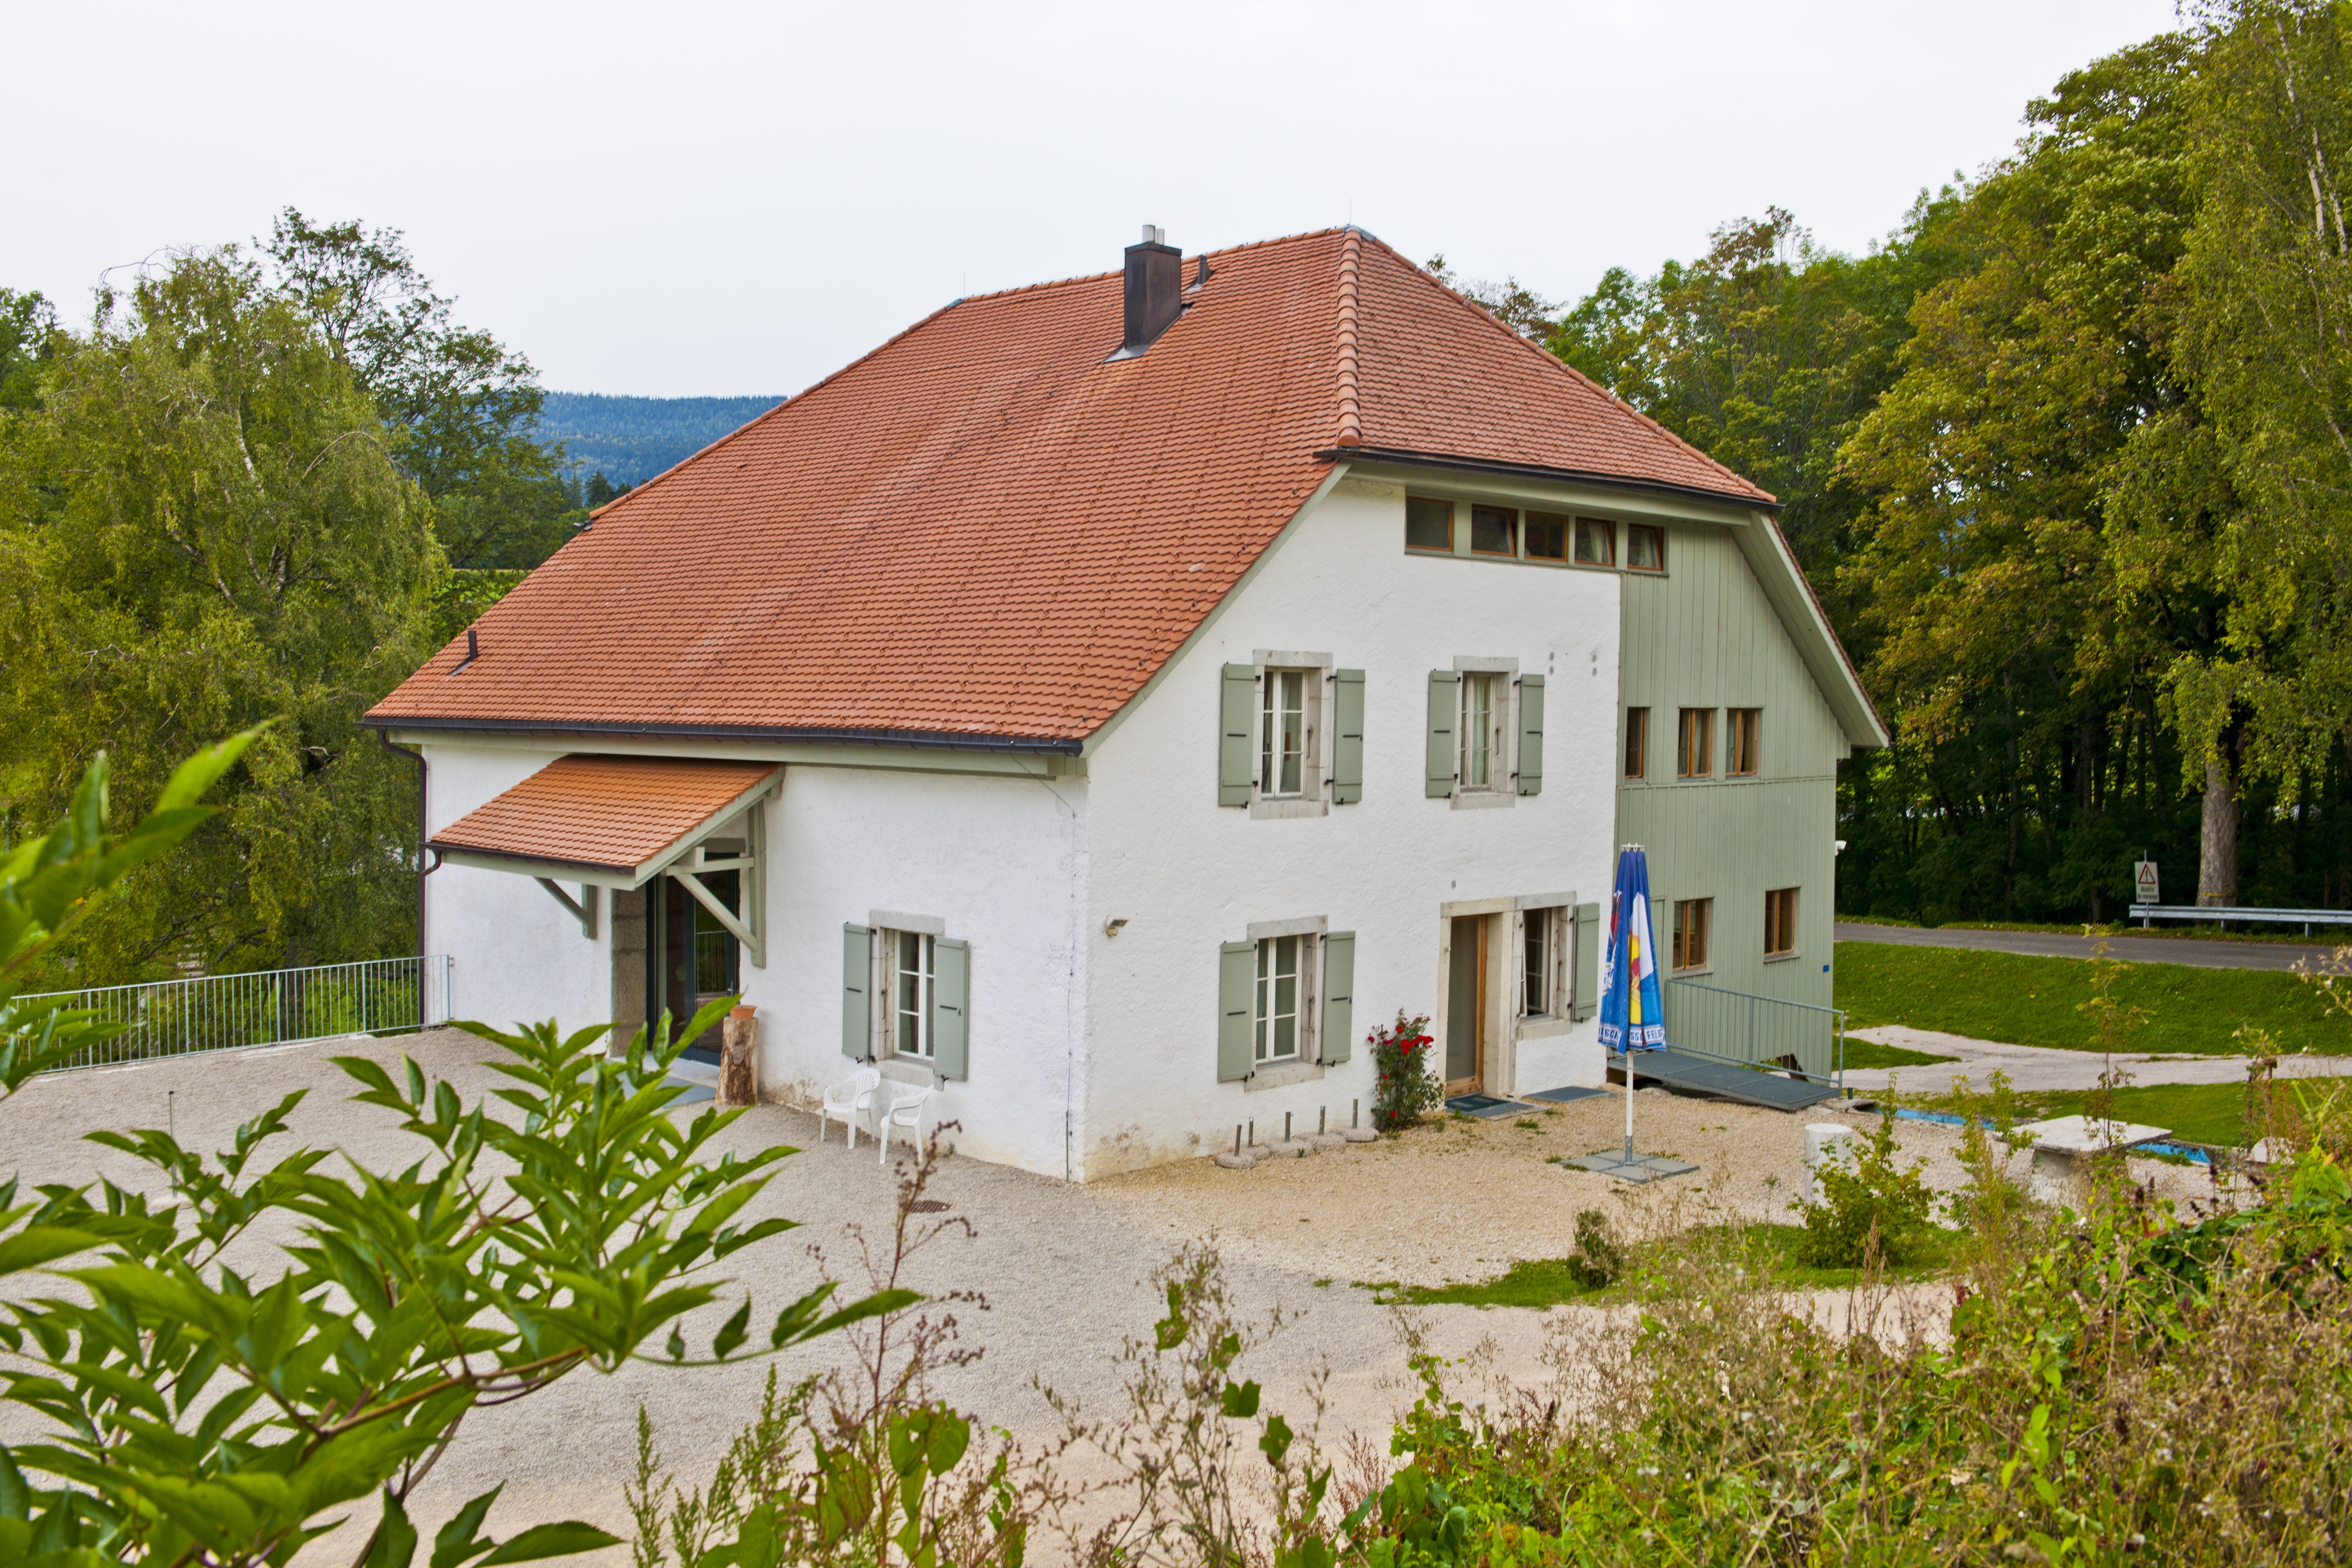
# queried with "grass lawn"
point(2194, 1112)
point(1538, 1283)
point(2024, 1001)
point(1870, 1054)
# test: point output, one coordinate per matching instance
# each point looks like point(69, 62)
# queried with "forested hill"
point(631, 439)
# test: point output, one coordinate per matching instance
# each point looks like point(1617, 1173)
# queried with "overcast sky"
point(708, 198)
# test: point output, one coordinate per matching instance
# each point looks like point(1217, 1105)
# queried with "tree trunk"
point(2217, 842)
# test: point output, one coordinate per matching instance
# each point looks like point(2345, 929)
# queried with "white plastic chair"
point(905, 1111)
point(848, 1100)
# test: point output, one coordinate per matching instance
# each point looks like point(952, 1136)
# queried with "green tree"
point(2022, 620)
point(2265, 340)
point(464, 407)
point(202, 527)
point(28, 340)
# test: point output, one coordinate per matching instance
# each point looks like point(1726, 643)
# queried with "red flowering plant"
point(1407, 1088)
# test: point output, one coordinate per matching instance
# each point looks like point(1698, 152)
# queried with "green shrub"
point(1599, 1257)
point(1877, 1210)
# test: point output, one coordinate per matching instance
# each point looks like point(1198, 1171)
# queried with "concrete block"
point(1826, 1143)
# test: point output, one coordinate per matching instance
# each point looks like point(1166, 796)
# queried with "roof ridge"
point(1608, 397)
point(1095, 277)
point(1351, 411)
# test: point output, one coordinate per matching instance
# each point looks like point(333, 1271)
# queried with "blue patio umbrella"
point(1633, 1010)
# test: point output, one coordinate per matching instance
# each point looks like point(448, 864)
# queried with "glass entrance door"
point(696, 957)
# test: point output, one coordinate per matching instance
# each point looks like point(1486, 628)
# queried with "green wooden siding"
point(1703, 636)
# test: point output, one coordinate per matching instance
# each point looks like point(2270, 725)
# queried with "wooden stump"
point(738, 1081)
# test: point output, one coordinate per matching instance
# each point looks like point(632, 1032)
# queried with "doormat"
point(1562, 1096)
point(1484, 1105)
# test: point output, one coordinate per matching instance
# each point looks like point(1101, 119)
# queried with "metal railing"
point(266, 1007)
point(2246, 914)
point(1756, 1031)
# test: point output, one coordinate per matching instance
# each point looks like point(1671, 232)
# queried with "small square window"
point(1695, 744)
point(1547, 536)
point(1493, 531)
point(1428, 524)
point(1637, 742)
point(1645, 547)
point(1596, 541)
point(1743, 738)
point(1781, 922)
point(1694, 920)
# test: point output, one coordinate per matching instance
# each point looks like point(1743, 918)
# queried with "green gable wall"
point(1705, 636)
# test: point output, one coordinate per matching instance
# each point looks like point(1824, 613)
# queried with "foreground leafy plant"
point(199, 1414)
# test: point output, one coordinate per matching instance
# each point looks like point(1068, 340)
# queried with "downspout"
point(424, 868)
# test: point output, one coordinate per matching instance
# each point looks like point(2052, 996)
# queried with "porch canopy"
point(619, 821)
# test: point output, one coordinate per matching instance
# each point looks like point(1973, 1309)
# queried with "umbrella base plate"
point(1627, 1167)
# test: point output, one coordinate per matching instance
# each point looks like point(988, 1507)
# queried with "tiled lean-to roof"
point(985, 534)
point(609, 813)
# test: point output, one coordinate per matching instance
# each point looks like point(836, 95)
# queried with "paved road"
point(2203, 954)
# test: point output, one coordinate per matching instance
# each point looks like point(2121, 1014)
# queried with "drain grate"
point(925, 1205)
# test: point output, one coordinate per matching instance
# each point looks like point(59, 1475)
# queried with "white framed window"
point(1286, 737)
point(912, 960)
point(1280, 1004)
point(1545, 936)
point(1484, 726)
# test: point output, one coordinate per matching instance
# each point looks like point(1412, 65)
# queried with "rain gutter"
point(911, 740)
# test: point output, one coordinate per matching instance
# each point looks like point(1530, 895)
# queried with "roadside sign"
point(2144, 882)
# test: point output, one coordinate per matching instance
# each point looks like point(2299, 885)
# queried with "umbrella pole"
point(1629, 1102)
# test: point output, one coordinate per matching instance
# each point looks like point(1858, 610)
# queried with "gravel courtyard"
point(1063, 1271)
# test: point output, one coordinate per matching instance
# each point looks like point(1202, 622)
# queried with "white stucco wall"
point(517, 956)
point(1187, 874)
point(1001, 863)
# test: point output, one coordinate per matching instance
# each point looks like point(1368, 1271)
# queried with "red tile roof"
point(983, 531)
point(616, 813)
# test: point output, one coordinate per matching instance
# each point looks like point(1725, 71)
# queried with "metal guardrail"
point(2225, 913)
point(266, 1008)
point(1756, 1031)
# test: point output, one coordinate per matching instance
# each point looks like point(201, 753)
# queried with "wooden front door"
point(1466, 1006)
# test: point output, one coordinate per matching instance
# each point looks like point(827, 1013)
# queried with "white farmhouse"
point(1107, 702)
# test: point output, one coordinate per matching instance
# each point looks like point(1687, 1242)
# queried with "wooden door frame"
point(1486, 911)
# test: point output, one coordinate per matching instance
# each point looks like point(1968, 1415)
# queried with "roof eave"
point(1406, 458)
point(913, 740)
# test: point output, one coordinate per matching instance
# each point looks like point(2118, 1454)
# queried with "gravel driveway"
point(1063, 1269)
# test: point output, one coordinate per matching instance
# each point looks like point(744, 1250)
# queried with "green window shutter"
point(1348, 737)
point(1445, 707)
point(1236, 985)
point(857, 992)
point(1585, 1000)
point(1339, 994)
point(1235, 708)
point(951, 1026)
point(1531, 700)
